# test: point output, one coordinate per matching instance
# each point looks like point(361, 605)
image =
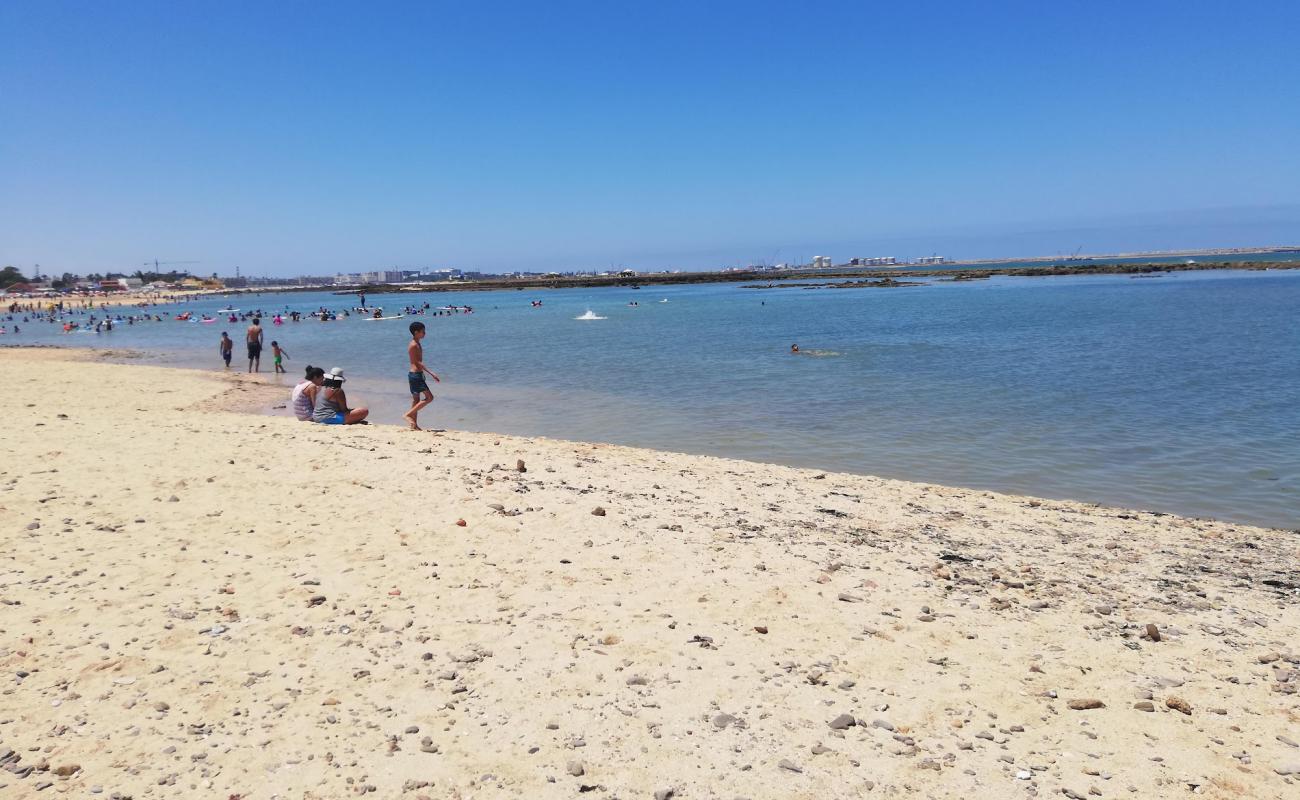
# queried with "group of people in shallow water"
point(320, 398)
point(73, 315)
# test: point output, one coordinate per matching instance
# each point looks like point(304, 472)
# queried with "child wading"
point(279, 352)
point(227, 346)
point(420, 394)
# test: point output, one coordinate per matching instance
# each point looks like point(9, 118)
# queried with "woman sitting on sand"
point(332, 403)
point(304, 394)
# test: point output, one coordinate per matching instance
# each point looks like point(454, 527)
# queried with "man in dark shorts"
point(227, 348)
point(254, 337)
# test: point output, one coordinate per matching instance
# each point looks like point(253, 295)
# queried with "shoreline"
point(206, 603)
point(258, 396)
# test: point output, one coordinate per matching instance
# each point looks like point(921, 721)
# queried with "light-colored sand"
point(198, 603)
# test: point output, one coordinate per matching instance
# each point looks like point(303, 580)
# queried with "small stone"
point(843, 721)
point(1085, 704)
point(412, 729)
point(461, 523)
point(1153, 633)
point(845, 597)
point(1144, 705)
point(847, 684)
point(1267, 658)
point(1024, 775)
point(723, 720)
point(519, 466)
point(31, 526)
point(576, 769)
point(173, 499)
point(637, 680)
point(316, 600)
point(1287, 741)
point(67, 769)
point(884, 724)
point(1179, 704)
point(1104, 610)
point(1290, 768)
point(760, 628)
point(160, 706)
point(664, 794)
point(789, 765)
point(598, 512)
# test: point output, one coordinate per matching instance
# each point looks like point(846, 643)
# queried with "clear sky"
point(292, 138)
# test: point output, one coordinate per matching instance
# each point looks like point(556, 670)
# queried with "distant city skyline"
point(299, 138)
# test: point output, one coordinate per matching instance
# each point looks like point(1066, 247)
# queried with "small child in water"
point(278, 352)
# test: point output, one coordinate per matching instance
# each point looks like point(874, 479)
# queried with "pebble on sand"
point(1085, 703)
point(1179, 704)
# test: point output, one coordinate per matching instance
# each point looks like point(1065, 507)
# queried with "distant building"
point(121, 284)
point(931, 260)
point(822, 262)
point(439, 275)
point(874, 261)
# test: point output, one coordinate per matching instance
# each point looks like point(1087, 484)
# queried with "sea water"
point(1179, 393)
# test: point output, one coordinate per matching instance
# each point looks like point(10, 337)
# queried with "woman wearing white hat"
point(332, 403)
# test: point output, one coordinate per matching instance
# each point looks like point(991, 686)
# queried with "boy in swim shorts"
point(420, 394)
point(279, 352)
point(227, 348)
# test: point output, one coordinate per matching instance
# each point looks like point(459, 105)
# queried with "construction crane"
point(156, 263)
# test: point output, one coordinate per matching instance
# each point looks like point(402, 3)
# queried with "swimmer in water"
point(794, 348)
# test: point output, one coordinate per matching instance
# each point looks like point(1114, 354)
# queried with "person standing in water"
point(280, 353)
point(420, 394)
point(226, 348)
point(254, 337)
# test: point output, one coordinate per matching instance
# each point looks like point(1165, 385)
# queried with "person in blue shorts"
point(420, 394)
point(332, 403)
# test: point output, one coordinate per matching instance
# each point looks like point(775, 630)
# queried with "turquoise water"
point(1179, 393)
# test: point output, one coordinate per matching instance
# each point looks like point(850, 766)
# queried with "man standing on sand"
point(254, 337)
point(420, 394)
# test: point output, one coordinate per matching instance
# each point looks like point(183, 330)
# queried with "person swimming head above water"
point(794, 348)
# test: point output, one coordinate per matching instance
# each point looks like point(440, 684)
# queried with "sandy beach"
point(196, 601)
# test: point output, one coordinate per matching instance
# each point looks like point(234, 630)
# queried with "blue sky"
point(293, 138)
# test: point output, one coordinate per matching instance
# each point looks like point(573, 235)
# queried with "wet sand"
point(196, 602)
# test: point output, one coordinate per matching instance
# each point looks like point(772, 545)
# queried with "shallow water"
point(1179, 393)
